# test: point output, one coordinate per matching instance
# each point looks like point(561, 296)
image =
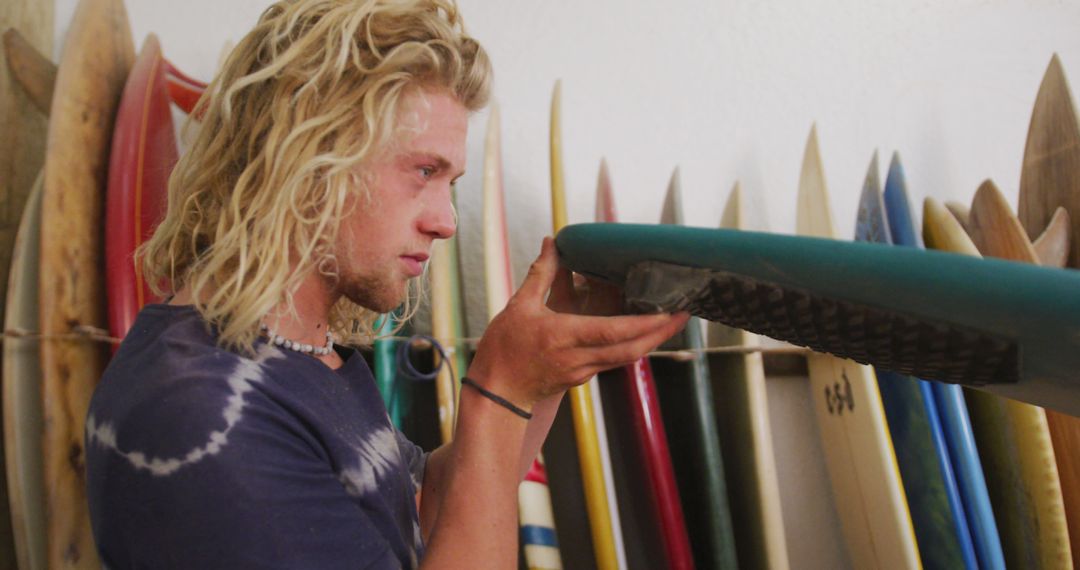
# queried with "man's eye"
point(427, 171)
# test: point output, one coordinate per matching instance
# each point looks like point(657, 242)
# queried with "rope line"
point(95, 334)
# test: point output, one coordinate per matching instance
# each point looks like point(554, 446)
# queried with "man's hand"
point(533, 350)
point(575, 293)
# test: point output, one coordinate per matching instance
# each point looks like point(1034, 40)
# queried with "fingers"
point(562, 294)
point(584, 361)
point(603, 331)
point(542, 273)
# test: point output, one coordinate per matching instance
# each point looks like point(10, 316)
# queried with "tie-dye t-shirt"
point(200, 458)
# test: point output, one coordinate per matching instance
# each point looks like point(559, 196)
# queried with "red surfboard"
point(183, 90)
point(649, 429)
point(143, 155)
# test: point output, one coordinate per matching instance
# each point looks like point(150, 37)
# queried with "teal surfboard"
point(1009, 328)
point(689, 413)
point(950, 402)
point(396, 392)
point(923, 457)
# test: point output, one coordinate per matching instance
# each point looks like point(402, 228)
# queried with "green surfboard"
point(1005, 327)
point(686, 400)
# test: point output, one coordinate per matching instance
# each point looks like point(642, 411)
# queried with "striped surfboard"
point(535, 515)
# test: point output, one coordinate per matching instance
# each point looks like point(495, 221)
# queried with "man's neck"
point(307, 323)
point(309, 320)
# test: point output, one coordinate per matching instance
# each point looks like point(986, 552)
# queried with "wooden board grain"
point(94, 64)
point(1052, 247)
point(862, 464)
point(31, 69)
point(1051, 158)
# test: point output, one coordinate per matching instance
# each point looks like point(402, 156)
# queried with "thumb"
point(541, 273)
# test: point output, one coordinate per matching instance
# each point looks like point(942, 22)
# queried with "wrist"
point(525, 414)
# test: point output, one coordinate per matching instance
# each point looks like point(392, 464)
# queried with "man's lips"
point(414, 263)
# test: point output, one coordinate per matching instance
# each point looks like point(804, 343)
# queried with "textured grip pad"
point(934, 350)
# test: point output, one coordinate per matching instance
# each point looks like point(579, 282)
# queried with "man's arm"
point(529, 355)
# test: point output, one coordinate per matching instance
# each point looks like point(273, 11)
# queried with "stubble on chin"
point(381, 295)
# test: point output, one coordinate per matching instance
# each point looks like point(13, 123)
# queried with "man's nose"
point(440, 218)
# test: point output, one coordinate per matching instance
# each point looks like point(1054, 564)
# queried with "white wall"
point(728, 90)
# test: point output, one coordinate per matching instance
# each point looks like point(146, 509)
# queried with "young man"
point(230, 431)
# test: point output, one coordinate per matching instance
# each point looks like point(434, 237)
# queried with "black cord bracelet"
point(466, 381)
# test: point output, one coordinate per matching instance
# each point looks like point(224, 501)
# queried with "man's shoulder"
point(170, 382)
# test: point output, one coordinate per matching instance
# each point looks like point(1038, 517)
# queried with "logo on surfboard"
point(838, 397)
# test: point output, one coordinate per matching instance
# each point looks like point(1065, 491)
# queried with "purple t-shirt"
point(198, 457)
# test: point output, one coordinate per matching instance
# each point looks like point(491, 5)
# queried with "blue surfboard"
point(950, 403)
point(937, 513)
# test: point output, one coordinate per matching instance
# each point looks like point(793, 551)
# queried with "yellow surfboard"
point(1013, 437)
point(1048, 182)
point(599, 489)
point(448, 328)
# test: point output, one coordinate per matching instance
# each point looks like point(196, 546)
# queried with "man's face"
point(385, 242)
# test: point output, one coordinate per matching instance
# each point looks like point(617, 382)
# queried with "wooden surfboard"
point(961, 212)
point(31, 69)
point(1051, 158)
point(937, 511)
point(686, 395)
point(949, 399)
point(22, 395)
point(997, 232)
point(742, 409)
point(28, 26)
point(862, 463)
point(606, 533)
point(28, 40)
point(143, 155)
point(1048, 181)
point(448, 328)
point(1014, 444)
point(94, 65)
point(640, 389)
point(536, 518)
point(1052, 247)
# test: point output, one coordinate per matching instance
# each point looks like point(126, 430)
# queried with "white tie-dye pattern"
point(377, 456)
point(240, 383)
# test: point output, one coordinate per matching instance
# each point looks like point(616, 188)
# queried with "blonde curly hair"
point(303, 100)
